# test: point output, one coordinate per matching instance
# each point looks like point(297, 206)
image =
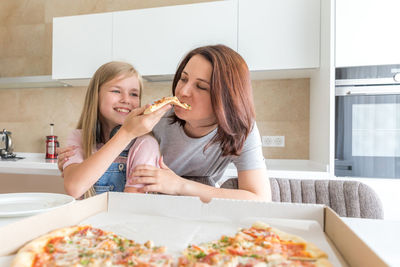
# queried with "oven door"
point(367, 137)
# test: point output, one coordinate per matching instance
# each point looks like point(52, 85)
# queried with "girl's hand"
point(137, 124)
point(161, 180)
point(63, 154)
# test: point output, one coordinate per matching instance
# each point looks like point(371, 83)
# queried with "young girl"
point(104, 151)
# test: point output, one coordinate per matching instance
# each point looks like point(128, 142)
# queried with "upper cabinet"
point(269, 34)
point(367, 32)
point(282, 34)
point(155, 40)
point(81, 44)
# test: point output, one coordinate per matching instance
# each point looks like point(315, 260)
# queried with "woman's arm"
point(63, 155)
point(253, 184)
point(79, 177)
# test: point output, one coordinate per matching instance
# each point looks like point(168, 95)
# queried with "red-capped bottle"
point(51, 144)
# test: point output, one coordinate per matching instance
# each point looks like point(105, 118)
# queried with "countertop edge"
point(35, 163)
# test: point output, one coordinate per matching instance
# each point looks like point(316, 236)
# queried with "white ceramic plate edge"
point(61, 200)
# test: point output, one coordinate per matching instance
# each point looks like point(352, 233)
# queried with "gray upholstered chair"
point(347, 198)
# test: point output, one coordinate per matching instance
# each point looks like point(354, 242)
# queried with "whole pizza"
point(260, 245)
point(88, 246)
point(257, 246)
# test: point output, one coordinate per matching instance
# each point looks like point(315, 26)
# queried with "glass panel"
point(376, 130)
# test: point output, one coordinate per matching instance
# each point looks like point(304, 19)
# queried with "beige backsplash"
point(282, 106)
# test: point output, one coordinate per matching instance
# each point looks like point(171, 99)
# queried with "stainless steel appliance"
point(6, 144)
point(367, 132)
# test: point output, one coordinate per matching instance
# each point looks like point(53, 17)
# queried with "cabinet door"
point(81, 44)
point(282, 34)
point(367, 32)
point(154, 40)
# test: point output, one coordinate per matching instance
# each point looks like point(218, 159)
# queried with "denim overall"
point(114, 178)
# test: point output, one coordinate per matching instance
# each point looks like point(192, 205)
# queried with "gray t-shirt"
point(184, 155)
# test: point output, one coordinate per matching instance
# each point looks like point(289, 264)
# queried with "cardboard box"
point(176, 221)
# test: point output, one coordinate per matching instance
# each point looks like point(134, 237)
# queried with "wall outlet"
point(273, 141)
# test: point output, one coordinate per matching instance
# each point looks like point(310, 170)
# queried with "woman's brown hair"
point(231, 96)
point(89, 120)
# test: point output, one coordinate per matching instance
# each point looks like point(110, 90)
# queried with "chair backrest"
point(346, 198)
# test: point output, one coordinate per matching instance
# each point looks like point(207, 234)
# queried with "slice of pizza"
point(284, 246)
point(88, 246)
point(260, 245)
point(164, 101)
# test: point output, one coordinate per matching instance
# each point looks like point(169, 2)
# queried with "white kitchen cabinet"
point(269, 34)
point(81, 44)
point(154, 40)
point(284, 34)
point(367, 32)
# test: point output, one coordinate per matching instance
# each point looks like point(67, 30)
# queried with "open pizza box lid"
point(175, 222)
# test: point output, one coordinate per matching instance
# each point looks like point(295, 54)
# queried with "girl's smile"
point(122, 110)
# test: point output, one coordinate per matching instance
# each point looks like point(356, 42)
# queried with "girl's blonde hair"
point(89, 120)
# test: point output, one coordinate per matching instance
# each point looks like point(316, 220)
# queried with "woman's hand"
point(161, 180)
point(63, 154)
point(136, 124)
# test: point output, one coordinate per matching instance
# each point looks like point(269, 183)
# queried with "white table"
point(382, 236)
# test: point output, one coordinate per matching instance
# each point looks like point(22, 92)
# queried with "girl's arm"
point(79, 177)
point(253, 184)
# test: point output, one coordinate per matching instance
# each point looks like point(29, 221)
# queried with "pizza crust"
point(322, 262)
point(26, 255)
point(164, 101)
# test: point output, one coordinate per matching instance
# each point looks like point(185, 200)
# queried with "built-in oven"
point(367, 127)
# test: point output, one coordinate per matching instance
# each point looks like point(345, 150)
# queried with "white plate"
point(24, 204)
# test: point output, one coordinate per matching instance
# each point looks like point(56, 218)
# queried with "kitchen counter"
point(288, 168)
point(33, 163)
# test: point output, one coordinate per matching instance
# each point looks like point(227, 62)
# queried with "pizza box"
point(176, 221)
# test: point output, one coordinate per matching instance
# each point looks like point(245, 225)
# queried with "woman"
point(198, 144)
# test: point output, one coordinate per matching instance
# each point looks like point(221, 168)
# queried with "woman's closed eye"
point(134, 94)
point(202, 87)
